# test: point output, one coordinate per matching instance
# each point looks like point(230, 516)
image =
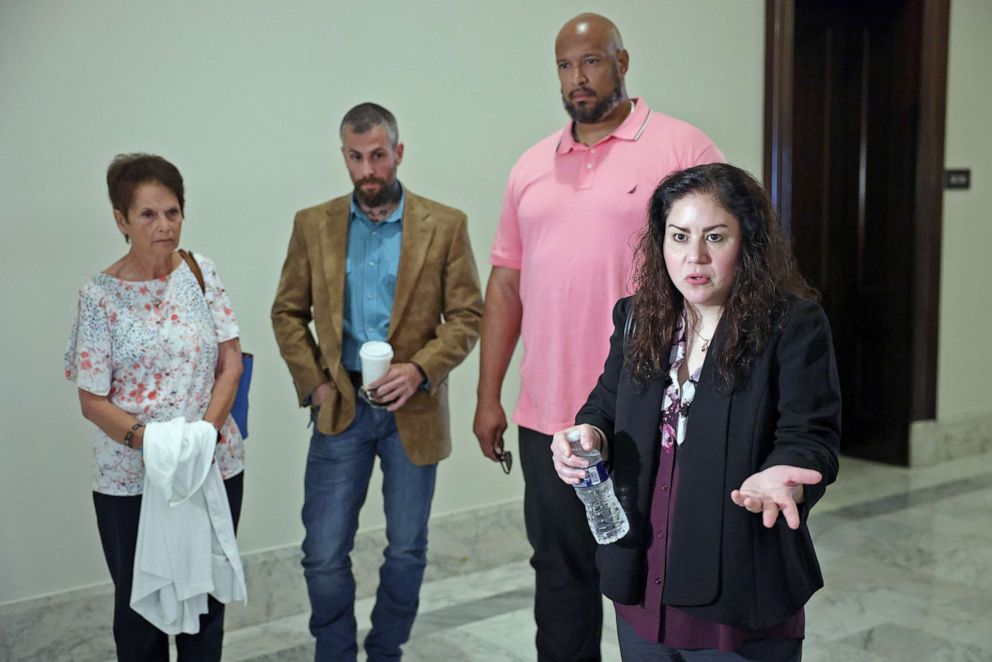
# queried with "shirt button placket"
point(588, 169)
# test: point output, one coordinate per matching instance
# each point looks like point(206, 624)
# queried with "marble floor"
point(906, 555)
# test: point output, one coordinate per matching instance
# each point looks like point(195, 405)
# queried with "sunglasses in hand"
point(505, 460)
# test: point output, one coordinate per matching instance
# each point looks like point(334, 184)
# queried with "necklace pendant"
point(706, 345)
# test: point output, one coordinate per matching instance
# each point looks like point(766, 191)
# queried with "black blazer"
point(724, 565)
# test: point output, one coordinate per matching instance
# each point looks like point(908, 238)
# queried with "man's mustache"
point(583, 90)
point(371, 180)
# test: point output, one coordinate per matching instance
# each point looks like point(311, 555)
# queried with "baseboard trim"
point(952, 438)
point(76, 625)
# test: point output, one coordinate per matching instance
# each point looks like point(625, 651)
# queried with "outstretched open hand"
point(775, 490)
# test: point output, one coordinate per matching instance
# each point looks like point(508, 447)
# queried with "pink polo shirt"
point(570, 219)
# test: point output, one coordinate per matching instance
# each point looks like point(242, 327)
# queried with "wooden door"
point(854, 155)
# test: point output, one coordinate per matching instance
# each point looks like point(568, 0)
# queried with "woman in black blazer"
point(719, 412)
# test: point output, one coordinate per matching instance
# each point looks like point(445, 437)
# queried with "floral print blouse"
point(151, 346)
point(675, 407)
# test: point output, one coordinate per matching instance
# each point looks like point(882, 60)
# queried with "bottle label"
point(597, 474)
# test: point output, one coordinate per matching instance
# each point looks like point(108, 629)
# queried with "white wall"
point(245, 98)
point(964, 361)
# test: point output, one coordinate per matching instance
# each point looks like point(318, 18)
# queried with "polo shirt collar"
point(631, 128)
point(395, 217)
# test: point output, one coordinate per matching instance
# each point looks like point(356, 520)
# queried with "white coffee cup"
point(376, 357)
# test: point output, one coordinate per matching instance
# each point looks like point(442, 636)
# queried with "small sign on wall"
point(957, 179)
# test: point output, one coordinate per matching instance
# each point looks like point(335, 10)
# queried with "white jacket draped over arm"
point(186, 546)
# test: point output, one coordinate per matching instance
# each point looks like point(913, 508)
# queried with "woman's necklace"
point(134, 268)
point(155, 300)
point(706, 341)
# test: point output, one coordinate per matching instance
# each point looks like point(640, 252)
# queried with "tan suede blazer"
point(435, 321)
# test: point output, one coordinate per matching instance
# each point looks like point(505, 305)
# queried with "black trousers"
point(138, 640)
point(635, 649)
point(568, 606)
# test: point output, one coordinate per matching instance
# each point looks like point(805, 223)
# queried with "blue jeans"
point(337, 480)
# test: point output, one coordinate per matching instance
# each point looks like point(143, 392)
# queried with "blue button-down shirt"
point(372, 262)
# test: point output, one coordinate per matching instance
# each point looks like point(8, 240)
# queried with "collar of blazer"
point(417, 233)
point(707, 430)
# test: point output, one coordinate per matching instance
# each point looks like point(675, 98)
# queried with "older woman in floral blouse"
point(149, 345)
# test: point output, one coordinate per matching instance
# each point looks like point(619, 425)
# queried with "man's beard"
point(386, 194)
point(599, 111)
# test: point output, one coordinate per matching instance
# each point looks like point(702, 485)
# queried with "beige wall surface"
point(965, 360)
point(245, 98)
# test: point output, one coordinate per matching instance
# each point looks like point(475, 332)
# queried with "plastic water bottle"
point(607, 520)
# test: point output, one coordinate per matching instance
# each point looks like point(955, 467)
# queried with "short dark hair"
point(365, 116)
point(766, 276)
point(128, 171)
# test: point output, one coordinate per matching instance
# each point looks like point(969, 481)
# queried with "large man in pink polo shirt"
point(574, 205)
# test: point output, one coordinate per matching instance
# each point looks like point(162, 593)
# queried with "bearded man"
point(380, 264)
point(573, 207)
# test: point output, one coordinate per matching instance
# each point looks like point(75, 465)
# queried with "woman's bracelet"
point(129, 435)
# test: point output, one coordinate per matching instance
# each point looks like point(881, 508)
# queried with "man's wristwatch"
point(425, 382)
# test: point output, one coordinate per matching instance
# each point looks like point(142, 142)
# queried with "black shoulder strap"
point(628, 327)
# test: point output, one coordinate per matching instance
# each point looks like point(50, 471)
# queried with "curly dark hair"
point(765, 278)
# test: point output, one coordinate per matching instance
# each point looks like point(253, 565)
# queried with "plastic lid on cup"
point(376, 349)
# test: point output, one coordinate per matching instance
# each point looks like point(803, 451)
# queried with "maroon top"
point(652, 619)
